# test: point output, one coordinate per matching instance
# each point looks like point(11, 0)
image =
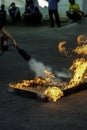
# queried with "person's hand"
point(15, 44)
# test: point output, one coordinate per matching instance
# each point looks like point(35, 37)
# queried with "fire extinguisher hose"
point(22, 52)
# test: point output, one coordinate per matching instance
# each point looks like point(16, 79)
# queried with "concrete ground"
point(18, 112)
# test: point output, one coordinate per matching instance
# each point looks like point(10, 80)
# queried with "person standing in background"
point(53, 11)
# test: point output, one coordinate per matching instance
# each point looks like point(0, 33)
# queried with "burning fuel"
point(79, 65)
point(53, 93)
point(46, 82)
point(46, 85)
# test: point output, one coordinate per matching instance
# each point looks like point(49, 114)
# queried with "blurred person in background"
point(53, 11)
point(74, 13)
point(14, 12)
point(3, 14)
point(32, 14)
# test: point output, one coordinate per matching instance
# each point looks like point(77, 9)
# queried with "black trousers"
point(16, 18)
point(33, 18)
point(55, 13)
point(73, 16)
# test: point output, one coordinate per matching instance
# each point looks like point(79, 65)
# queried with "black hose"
point(24, 54)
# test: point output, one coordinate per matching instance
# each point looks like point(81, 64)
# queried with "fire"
point(81, 39)
point(46, 79)
point(81, 50)
point(61, 47)
point(44, 84)
point(79, 67)
point(53, 93)
point(51, 88)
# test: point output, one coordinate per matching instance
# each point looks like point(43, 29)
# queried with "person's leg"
point(70, 16)
point(12, 16)
point(27, 19)
point(77, 16)
point(3, 17)
point(73, 16)
point(39, 17)
point(33, 19)
point(18, 17)
point(57, 18)
point(51, 18)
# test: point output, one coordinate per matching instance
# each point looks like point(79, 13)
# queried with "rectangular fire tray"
point(38, 95)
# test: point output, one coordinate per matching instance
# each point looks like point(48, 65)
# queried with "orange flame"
point(79, 67)
point(81, 50)
point(53, 93)
point(61, 47)
point(44, 85)
point(47, 85)
point(81, 39)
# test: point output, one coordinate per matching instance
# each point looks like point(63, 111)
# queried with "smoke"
point(37, 67)
point(64, 74)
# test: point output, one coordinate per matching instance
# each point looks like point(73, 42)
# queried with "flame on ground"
point(47, 85)
point(79, 67)
point(53, 93)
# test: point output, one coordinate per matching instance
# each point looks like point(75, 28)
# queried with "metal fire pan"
point(33, 94)
point(75, 89)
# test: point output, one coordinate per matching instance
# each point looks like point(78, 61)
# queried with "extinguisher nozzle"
point(24, 54)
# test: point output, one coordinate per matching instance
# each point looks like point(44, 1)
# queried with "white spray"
point(37, 67)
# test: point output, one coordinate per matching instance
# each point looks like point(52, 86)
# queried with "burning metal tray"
point(38, 95)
